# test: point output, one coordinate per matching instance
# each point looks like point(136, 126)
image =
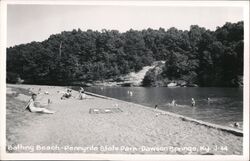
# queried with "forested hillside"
point(200, 56)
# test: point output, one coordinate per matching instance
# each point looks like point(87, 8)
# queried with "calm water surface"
point(225, 107)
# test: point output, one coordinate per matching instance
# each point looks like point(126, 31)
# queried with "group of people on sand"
point(68, 94)
point(35, 106)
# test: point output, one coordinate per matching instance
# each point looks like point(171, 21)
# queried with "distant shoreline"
point(105, 84)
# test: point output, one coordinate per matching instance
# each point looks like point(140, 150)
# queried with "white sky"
point(26, 23)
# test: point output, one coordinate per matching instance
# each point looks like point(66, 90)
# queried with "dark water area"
point(224, 108)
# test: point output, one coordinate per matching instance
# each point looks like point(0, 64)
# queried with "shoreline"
point(234, 131)
point(132, 126)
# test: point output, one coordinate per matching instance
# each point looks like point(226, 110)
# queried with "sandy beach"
point(133, 129)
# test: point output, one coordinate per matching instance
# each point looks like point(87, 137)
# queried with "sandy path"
point(135, 127)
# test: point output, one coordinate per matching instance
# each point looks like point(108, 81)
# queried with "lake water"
point(225, 107)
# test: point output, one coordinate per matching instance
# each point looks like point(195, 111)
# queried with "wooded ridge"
point(197, 56)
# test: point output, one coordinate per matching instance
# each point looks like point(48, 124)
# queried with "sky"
point(27, 23)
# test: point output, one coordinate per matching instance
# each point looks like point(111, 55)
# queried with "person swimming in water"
point(208, 100)
point(192, 102)
point(236, 124)
point(173, 103)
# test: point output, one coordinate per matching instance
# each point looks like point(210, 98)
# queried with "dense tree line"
point(201, 56)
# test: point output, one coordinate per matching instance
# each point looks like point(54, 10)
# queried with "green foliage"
point(200, 56)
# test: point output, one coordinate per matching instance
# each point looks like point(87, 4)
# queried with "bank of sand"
point(135, 127)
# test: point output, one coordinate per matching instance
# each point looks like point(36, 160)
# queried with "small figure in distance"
point(34, 106)
point(193, 102)
point(67, 94)
point(39, 90)
point(49, 101)
point(236, 124)
point(208, 100)
point(173, 103)
point(156, 106)
point(82, 94)
point(81, 90)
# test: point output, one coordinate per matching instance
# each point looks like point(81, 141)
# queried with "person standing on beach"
point(81, 90)
point(34, 107)
point(39, 90)
point(193, 102)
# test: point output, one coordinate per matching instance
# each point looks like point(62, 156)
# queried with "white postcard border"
point(25, 156)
